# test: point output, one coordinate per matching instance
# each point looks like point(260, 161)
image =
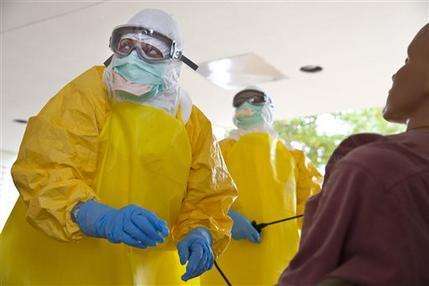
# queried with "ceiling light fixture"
point(239, 71)
point(311, 68)
point(23, 121)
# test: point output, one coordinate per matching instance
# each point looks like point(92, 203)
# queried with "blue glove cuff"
point(231, 212)
point(234, 215)
point(87, 216)
point(203, 233)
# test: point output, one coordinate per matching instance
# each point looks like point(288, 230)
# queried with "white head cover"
point(163, 23)
point(159, 21)
point(268, 118)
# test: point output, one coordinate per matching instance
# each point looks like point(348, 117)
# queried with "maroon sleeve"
point(339, 232)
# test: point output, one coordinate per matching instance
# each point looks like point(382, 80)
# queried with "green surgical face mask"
point(248, 116)
point(137, 71)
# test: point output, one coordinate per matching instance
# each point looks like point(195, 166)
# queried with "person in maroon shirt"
point(370, 223)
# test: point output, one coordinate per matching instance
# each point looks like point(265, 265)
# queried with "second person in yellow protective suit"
point(273, 182)
point(113, 164)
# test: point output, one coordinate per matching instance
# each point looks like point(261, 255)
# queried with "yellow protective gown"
point(273, 182)
point(83, 145)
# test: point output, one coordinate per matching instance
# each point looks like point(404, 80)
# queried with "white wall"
point(8, 192)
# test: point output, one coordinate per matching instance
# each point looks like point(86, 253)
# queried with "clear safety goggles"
point(254, 97)
point(126, 39)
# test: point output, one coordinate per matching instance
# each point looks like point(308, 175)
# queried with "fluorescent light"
point(239, 71)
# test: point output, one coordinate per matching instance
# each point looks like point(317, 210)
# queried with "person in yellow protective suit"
point(274, 182)
point(115, 170)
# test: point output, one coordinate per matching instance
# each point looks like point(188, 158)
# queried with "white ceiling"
point(359, 44)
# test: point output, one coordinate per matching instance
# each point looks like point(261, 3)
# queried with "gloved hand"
point(196, 249)
point(243, 228)
point(131, 225)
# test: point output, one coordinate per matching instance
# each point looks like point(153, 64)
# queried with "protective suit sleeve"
point(308, 180)
point(210, 191)
point(58, 155)
point(226, 146)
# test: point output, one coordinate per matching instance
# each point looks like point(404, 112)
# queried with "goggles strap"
point(108, 61)
point(189, 63)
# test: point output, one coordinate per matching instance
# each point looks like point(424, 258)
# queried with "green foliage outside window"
point(306, 133)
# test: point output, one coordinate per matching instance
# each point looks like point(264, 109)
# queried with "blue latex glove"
point(195, 248)
point(243, 228)
point(131, 225)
